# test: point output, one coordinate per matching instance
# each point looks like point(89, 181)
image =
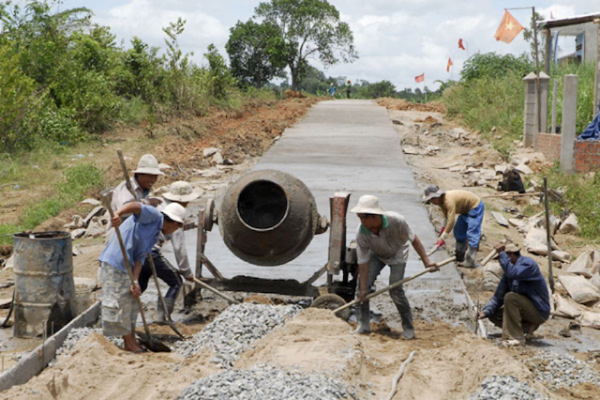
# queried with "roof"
point(574, 20)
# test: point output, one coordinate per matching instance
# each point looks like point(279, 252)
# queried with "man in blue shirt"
point(139, 232)
point(521, 302)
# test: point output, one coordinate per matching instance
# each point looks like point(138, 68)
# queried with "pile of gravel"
point(236, 329)
point(561, 370)
point(266, 382)
point(506, 387)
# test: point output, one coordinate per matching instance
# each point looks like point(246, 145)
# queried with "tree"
point(254, 51)
point(309, 29)
point(541, 38)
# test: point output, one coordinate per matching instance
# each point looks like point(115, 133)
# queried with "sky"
point(396, 40)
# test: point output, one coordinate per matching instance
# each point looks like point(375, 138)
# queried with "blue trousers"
point(165, 273)
point(468, 227)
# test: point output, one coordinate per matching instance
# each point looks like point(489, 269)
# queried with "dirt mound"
point(403, 105)
point(428, 120)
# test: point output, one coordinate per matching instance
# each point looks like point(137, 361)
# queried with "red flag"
point(420, 78)
point(509, 28)
point(460, 44)
point(449, 64)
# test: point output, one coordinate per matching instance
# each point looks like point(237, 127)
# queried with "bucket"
point(44, 287)
point(83, 294)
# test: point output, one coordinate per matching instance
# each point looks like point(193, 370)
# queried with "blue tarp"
point(592, 132)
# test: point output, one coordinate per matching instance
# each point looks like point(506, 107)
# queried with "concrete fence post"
point(530, 119)
point(568, 125)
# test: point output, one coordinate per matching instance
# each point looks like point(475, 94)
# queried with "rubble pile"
point(266, 382)
point(562, 370)
point(236, 329)
point(506, 387)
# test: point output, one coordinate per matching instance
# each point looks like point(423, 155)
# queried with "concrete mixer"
point(268, 218)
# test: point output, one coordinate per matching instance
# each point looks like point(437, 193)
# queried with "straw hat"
point(175, 211)
point(148, 164)
point(431, 192)
point(368, 204)
point(512, 248)
point(183, 192)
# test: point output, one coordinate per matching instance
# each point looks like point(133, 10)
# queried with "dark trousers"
point(516, 317)
point(165, 272)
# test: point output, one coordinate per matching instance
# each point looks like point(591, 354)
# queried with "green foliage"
point(309, 29)
point(6, 232)
point(217, 77)
point(253, 50)
point(71, 189)
point(380, 89)
point(491, 65)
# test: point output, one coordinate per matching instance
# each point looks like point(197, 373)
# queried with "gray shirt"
point(392, 243)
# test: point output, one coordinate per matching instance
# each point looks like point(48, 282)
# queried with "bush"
point(492, 65)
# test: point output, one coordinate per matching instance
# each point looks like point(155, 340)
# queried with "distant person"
point(521, 302)
point(331, 90)
point(139, 232)
point(383, 239)
point(348, 89)
point(464, 216)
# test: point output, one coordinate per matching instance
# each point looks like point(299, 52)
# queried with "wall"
point(587, 155)
point(549, 145)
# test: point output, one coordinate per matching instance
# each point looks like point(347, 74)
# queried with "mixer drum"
point(268, 218)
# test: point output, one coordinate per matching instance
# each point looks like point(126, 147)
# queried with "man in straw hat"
point(464, 215)
point(181, 193)
point(383, 239)
point(521, 302)
point(139, 233)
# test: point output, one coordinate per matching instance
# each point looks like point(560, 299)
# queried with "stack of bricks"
point(586, 155)
point(549, 145)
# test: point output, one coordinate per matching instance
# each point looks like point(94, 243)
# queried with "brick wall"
point(586, 155)
point(549, 145)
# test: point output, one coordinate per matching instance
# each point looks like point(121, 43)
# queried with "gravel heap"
point(235, 330)
point(266, 382)
point(505, 387)
point(560, 370)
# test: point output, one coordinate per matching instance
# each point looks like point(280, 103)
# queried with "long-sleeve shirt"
point(390, 245)
point(139, 233)
point(177, 239)
point(525, 278)
point(457, 202)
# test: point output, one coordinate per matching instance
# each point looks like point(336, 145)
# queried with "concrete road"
point(348, 145)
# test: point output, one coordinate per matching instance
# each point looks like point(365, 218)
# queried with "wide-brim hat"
point(183, 192)
point(148, 165)
point(368, 204)
point(512, 248)
point(432, 192)
point(175, 211)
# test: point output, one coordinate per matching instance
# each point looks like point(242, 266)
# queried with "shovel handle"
point(215, 291)
point(395, 284)
point(488, 258)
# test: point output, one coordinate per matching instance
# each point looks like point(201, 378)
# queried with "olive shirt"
point(390, 246)
point(457, 202)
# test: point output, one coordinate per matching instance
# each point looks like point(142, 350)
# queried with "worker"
point(331, 90)
point(139, 233)
point(348, 89)
point(382, 239)
point(521, 302)
point(464, 215)
point(182, 193)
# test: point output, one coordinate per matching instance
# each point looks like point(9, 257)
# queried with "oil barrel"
point(44, 286)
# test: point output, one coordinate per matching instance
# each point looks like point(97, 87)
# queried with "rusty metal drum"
point(268, 218)
point(44, 286)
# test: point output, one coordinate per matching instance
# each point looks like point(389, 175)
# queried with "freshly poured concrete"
point(345, 145)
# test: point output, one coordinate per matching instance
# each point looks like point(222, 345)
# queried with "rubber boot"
point(363, 318)
point(461, 248)
point(470, 258)
point(407, 326)
point(160, 313)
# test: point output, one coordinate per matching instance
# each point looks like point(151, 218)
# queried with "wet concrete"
point(348, 145)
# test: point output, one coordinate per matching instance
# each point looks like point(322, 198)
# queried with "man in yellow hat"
point(382, 239)
point(521, 302)
point(181, 193)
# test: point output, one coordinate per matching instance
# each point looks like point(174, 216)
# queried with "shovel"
point(152, 345)
point(212, 289)
point(395, 284)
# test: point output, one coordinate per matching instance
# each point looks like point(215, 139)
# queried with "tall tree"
point(309, 28)
point(255, 52)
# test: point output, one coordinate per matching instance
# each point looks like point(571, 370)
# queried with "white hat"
point(368, 204)
point(148, 164)
point(175, 211)
point(183, 192)
point(512, 248)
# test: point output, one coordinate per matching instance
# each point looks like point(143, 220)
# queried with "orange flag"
point(420, 78)
point(449, 65)
point(509, 28)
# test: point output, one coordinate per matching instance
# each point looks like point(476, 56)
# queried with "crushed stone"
point(562, 370)
point(506, 387)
